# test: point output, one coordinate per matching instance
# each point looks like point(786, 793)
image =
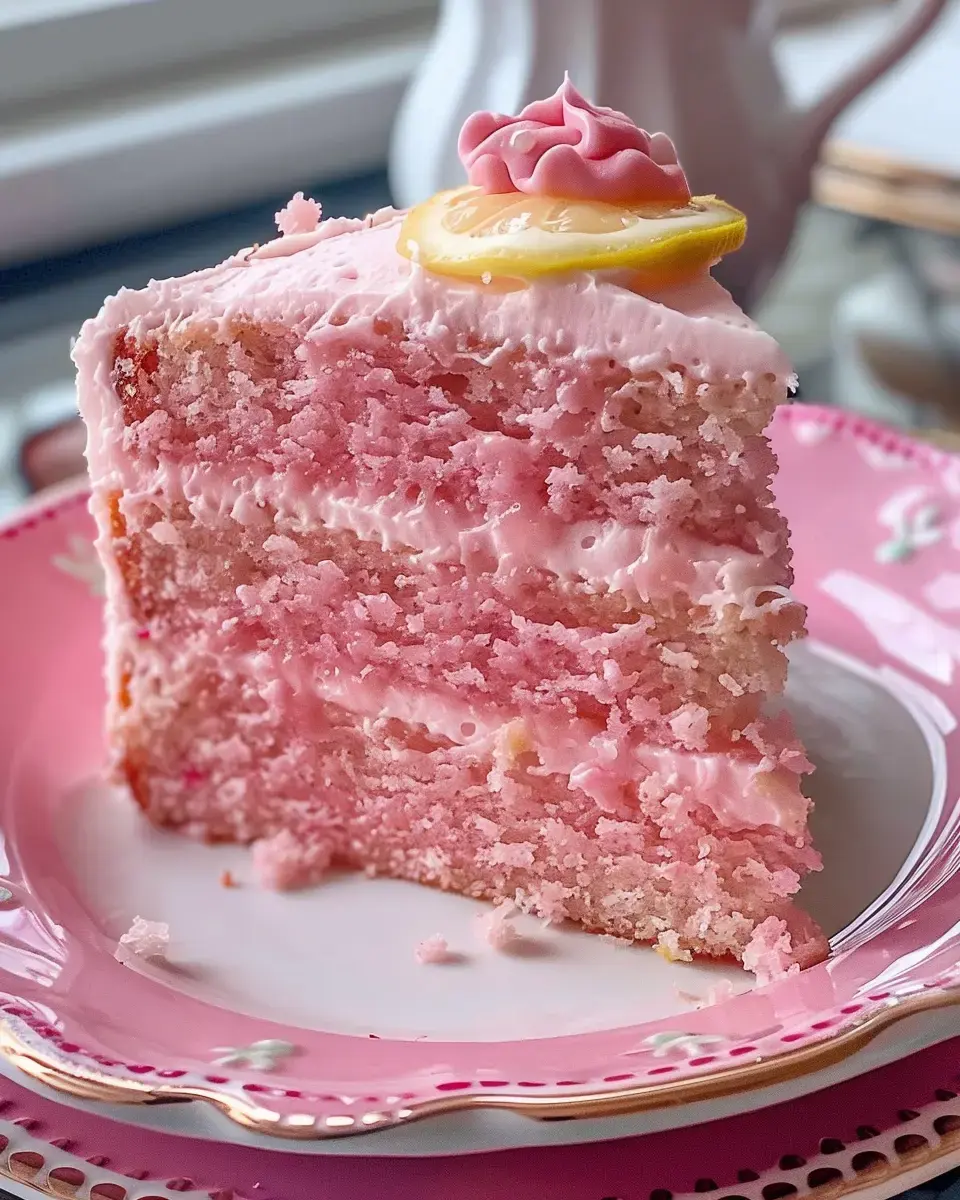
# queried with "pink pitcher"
point(701, 70)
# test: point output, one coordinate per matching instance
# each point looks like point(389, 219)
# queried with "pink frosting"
point(300, 215)
point(566, 147)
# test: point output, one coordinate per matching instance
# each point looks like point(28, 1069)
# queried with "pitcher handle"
point(817, 120)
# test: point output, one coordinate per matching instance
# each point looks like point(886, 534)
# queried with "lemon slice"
point(467, 233)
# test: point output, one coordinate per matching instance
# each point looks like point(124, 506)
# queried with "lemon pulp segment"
point(467, 233)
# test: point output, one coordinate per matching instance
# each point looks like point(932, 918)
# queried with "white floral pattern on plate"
point(265, 1055)
point(81, 563)
point(687, 1044)
point(913, 521)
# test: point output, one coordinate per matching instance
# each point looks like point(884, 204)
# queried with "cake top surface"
point(345, 275)
point(612, 268)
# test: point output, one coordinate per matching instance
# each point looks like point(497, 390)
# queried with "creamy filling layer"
point(643, 563)
point(742, 791)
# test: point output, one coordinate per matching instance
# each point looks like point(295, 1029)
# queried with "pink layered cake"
point(441, 545)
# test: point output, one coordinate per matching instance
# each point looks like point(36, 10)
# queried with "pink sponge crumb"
point(144, 939)
point(496, 928)
point(432, 950)
point(769, 953)
point(285, 861)
point(720, 993)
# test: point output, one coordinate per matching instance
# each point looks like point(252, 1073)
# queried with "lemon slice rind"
point(665, 245)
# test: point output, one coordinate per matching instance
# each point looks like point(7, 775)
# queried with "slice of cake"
point(442, 546)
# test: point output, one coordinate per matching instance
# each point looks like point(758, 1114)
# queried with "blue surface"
point(70, 287)
point(946, 1187)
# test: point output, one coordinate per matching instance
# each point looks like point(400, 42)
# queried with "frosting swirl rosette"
point(566, 186)
point(565, 146)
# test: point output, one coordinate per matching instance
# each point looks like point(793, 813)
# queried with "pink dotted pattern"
point(35, 517)
point(36, 1029)
point(830, 1138)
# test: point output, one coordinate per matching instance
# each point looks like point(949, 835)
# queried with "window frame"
point(50, 48)
point(200, 115)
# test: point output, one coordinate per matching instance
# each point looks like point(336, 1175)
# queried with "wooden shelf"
point(945, 439)
point(869, 184)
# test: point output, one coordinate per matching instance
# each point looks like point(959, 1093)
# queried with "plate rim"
point(84, 1082)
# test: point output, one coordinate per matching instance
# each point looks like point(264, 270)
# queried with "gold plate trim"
point(85, 1084)
point(889, 1170)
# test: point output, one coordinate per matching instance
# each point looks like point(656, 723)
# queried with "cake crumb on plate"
point(148, 940)
point(720, 992)
point(432, 950)
point(668, 947)
point(769, 953)
point(611, 939)
point(496, 928)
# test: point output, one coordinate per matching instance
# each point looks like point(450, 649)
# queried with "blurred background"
point(145, 138)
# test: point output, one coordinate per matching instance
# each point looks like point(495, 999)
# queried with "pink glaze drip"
point(567, 147)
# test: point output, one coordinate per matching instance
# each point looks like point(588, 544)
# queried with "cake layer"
point(350, 383)
point(413, 465)
point(343, 291)
point(324, 609)
point(475, 444)
point(211, 752)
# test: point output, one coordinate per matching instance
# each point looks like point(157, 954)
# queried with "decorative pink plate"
point(307, 1017)
point(871, 1137)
